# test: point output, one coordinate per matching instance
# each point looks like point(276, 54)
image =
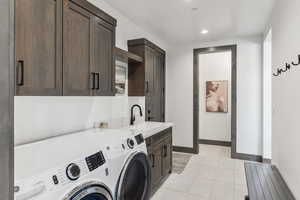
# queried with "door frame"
point(207, 50)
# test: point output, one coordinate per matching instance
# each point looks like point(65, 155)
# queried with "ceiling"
point(181, 21)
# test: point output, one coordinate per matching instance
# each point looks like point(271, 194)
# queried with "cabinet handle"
point(20, 73)
point(166, 151)
point(93, 76)
point(147, 86)
point(153, 160)
point(98, 80)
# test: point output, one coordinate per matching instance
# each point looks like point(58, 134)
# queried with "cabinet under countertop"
point(160, 150)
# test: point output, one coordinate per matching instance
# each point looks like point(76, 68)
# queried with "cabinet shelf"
point(132, 58)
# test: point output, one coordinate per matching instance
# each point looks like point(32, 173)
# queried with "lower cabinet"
point(160, 155)
point(156, 162)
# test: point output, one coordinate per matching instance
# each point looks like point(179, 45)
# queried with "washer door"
point(90, 191)
point(135, 179)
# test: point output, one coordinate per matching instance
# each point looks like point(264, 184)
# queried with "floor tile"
point(240, 192)
point(179, 183)
point(223, 191)
point(202, 188)
point(211, 175)
point(225, 175)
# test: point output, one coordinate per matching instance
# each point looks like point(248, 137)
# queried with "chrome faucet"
point(132, 117)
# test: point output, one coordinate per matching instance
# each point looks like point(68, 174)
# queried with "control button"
point(55, 180)
point(16, 188)
point(73, 172)
point(106, 171)
point(130, 143)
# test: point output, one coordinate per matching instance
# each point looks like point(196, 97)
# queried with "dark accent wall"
point(6, 99)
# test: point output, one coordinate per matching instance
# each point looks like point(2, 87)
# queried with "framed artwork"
point(121, 79)
point(217, 96)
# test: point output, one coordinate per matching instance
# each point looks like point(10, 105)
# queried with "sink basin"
point(149, 128)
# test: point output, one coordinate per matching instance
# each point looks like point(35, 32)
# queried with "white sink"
point(149, 128)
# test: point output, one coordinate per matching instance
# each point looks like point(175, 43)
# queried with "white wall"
point(267, 96)
point(249, 92)
point(214, 67)
point(126, 29)
point(286, 95)
point(38, 118)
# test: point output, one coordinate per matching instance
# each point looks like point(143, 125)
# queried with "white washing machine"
point(134, 182)
point(80, 166)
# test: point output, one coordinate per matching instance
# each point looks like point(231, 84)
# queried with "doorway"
point(215, 97)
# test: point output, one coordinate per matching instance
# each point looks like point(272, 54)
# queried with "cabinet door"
point(157, 89)
point(103, 57)
point(156, 165)
point(78, 79)
point(149, 82)
point(38, 43)
point(167, 156)
point(157, 93)
point(162, 89)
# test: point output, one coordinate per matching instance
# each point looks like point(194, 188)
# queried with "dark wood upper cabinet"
point(64, 47)
point(148, 78)
point(77, 40)
point(104, 57)
point(88, 51)
point(38, 41)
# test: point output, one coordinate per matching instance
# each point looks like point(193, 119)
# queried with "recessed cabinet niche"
point(64, 47)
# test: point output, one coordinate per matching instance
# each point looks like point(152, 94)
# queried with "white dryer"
point(80, 166)
point(134, 182)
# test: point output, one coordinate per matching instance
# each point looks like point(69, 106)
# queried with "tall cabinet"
point(148, 78)
point(64, 47)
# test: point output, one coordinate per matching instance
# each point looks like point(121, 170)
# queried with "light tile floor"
point(211, 175)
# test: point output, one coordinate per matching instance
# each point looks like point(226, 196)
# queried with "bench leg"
point(247, 197)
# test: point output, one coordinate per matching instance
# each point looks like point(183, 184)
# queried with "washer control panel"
point(139, 139)
point(57, 178)
point(94, 161)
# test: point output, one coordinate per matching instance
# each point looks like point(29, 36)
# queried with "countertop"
point(149, 129)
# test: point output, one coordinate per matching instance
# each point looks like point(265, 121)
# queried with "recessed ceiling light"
point(188, 1)
point(204, 31)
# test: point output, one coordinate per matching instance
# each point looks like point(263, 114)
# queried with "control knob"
point(73, 171)
point(130, 143)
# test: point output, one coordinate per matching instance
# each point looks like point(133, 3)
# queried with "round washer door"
point(135, 180)
point(90, 191)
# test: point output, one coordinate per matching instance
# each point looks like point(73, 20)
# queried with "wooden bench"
point(265, 182)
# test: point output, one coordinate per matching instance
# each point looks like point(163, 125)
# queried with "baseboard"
point(267, 161)
point(215, 142)
point(249, 157)
point(183, 149)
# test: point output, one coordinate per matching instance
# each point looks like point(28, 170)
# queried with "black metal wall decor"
point(287, 67)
